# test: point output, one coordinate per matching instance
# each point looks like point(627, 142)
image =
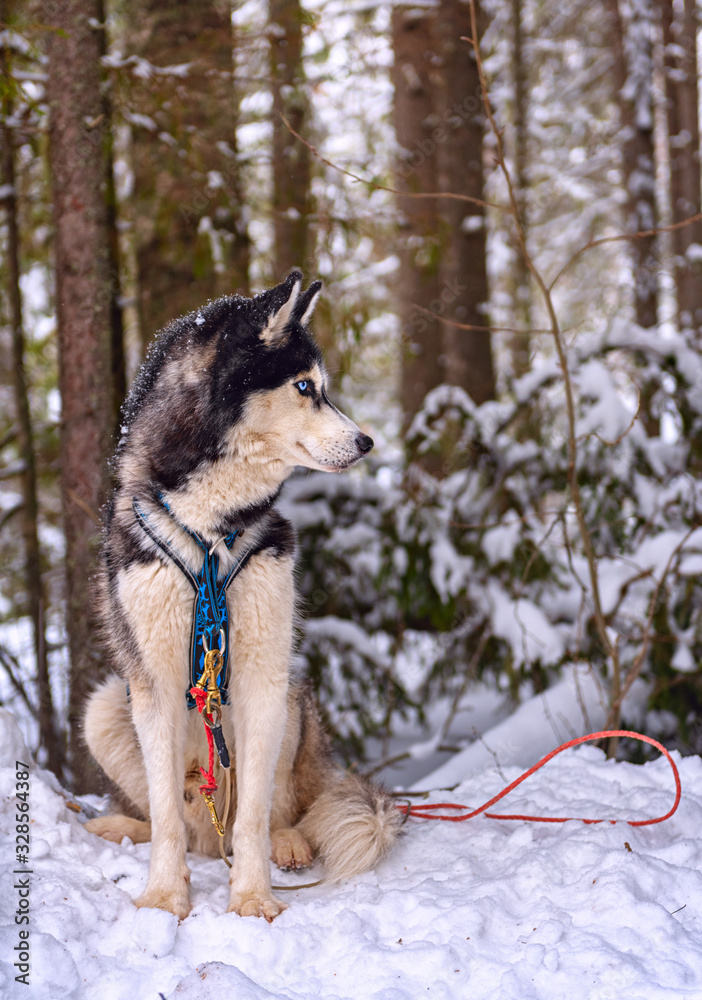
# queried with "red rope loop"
point(210, 785)
point(424, 811)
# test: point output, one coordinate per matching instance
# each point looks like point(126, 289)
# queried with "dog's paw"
point(256, 904)
point(175, 902)
point(116, 828)
point(290, 850)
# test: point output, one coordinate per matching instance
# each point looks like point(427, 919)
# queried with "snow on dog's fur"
point(231, 399)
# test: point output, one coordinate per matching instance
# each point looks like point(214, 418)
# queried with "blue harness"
point(210, 626)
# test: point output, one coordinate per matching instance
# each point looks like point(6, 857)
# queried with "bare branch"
point(616, 239)
point(398, 758)
point(470, 326)
point(493, 753)
point(8, 514)
point(13, 469)
point(86, 508)
point(9, 436)
point(470, 674)
point(638, 663)
point(13, 669)
point(384, 187)
point(613, 444)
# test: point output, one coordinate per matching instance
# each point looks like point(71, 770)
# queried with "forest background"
point(511, 245)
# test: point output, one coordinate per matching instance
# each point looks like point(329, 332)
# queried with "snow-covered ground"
point(484, 909)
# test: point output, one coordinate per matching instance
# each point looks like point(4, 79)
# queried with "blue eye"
point(304, 387)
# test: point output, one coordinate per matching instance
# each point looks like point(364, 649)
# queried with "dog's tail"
point(351, 826)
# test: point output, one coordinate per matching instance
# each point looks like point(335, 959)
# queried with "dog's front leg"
point(263, 600)
point(161, 736)
point(157, 604)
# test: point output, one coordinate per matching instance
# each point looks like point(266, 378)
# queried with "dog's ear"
point(304, 307)
point(276, 308)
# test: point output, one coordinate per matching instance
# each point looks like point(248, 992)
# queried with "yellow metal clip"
point(213, 813)
point(208, 681)
point(213, 707)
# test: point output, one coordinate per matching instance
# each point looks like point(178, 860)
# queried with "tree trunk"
point(292, 203)
point(36, 603)
point(119, 376)
point(467, 355)
point(83, 299)
point(520, 278)
point(632, 35)
point(415, 83)
point(632, 59)
point(679, 24)
point(191, 238)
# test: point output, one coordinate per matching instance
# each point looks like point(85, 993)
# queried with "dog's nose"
point(364, 443)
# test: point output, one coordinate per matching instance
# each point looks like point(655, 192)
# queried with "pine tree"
point(467, 354)
point(292, 204)
point(632, 39)
point(29, 513)
point(83, 296)
point(118, 367)
point(415, 83)
point(520, 277)
point(679, 27)
point(191, 237)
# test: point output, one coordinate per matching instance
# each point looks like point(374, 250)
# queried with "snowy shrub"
point(410, 581)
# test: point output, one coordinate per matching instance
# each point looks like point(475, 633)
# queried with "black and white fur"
point(231, 399)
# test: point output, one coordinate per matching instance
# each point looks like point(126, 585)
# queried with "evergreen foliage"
point(469, 561)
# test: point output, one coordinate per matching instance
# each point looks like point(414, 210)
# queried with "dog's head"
point(240, 379)
point(272, 374)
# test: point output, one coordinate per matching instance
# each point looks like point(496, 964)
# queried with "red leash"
point(425, 811)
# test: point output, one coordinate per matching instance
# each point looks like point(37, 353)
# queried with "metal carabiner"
point(222, 642)
point(215, 711)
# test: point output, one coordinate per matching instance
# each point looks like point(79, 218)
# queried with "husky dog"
point(231, 399)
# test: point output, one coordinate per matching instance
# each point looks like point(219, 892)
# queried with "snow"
point(448, 568)
point(472, 223)
point(683, 659)
point(345, 631)
point(607, 415)
point(572, 707)
point(500, 542)
point(88, 939)
point(523, 625)
point(485, 909)
point(144, 121)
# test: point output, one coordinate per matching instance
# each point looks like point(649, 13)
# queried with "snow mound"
point(214, 981)
point(573, 707)
point(488, 910)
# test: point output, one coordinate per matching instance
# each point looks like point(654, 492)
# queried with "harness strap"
point(210, 622)
point(165, 546)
